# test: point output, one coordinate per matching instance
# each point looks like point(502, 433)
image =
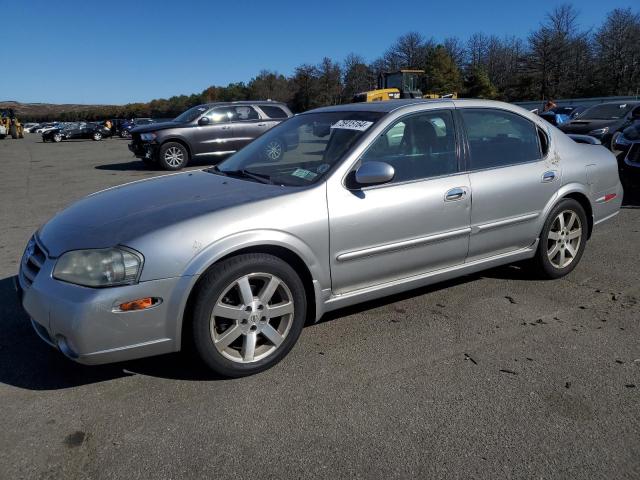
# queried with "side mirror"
point(374, 173)
point(204, 121)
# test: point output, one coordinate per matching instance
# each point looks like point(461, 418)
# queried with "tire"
point(57, 138)
point(220, 294)
point(173, 156)
point(97, 136)
point(274, 150)
point(124, 134)
point(612, 143)
point(560, 250)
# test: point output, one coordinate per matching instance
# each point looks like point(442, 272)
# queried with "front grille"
point(32, 260)
point(634, 153)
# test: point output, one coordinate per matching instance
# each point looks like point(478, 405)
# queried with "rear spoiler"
point(584, 139)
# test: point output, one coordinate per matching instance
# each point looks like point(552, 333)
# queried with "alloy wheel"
point(564, 239)
point(174, 156)
point(252, 317)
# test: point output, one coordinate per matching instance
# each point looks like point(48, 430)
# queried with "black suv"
point(207, 131)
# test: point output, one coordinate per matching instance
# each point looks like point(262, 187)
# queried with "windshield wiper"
point(261, 177)
point(215, 169)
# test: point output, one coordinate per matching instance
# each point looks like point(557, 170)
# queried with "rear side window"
point(273, 112)
point(499, 138)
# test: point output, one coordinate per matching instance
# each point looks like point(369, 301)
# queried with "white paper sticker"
point(360, 125)
point(304, 174)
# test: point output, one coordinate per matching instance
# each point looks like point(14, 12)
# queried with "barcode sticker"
point(360, 125)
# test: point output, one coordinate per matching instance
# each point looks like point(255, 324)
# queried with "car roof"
point(385, 107)
point(242, 102)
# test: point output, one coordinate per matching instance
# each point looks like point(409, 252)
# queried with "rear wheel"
point(57, 138)
point(248, 313)
point(563, 240)
point(97, 136)
point(173, 156)
point(124, 134)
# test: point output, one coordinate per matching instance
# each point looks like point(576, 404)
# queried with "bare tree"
point(358, 76)
point(617, 47)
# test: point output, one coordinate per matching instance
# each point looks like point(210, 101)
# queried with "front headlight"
point(105, 267)
point(599, 131)
point(148, 137)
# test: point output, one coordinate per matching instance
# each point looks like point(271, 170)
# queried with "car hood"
point(153, 127)
point(585, 125)
point(121, 214)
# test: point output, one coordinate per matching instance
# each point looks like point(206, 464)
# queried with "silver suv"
point(208, 131)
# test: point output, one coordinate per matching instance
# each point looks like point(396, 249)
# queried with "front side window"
point(301, 150)
point(498, 138)
point(417, 146)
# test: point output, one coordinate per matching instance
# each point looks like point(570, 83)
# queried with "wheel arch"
point(179, 140)
point(575, 191)
point(312, 286)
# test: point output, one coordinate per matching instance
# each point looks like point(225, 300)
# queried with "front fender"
point(253, 238)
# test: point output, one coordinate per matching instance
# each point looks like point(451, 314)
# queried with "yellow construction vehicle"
point(10, 124)
point(394, 85)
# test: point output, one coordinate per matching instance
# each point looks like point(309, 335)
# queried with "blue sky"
point(84, 51)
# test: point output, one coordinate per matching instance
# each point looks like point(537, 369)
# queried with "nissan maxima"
point(372, 200)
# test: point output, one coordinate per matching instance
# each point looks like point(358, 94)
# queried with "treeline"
point(558, 59)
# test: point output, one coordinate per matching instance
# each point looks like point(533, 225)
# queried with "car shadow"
point(27, 362)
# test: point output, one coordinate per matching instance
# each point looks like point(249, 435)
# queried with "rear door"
point(247, 125)
point(510, 179)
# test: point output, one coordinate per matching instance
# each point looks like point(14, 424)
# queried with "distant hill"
point(37, 110)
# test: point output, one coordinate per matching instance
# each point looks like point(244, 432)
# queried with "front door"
point(419, 222)
point(217, 137)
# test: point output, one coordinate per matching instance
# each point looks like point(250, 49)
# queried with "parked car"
point(238, 256)
point(628, 144)
point(29, 126)
point(605, 121)
point(78, 130)
point(559, 115)
point(128, 125)
point(208, 131)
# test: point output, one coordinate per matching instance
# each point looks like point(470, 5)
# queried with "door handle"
point(226, 127)
point(549, 176)
point(455, 194)
point(262, 124)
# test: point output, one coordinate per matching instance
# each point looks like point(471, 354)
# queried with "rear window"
point(273, 112)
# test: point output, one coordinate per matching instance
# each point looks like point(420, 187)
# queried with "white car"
point(3, 131)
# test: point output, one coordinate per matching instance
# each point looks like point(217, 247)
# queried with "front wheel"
point(124, 134)
point(57, 138)
point(563, 240)
point(97, 136)
point(173, 156)
point(248, 314)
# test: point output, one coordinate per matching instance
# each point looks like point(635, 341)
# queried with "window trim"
point(395, 121)
point(467, 148)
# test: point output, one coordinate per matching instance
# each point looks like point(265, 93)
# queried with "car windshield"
point(191, 114)
point(301, 150)
point(607, 111)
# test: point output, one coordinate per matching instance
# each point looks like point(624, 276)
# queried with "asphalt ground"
point(493, 375)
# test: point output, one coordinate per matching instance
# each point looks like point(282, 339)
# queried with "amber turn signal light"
point(139, 304)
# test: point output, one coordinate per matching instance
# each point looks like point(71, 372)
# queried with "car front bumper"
point(84, 324)
point(144, 150)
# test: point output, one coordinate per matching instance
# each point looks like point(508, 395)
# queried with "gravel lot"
point(490, 376)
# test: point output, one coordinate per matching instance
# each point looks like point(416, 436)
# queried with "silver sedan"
point(366, 200)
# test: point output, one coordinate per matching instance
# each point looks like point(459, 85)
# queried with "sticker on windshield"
point(360, 125)
point(304, 174)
